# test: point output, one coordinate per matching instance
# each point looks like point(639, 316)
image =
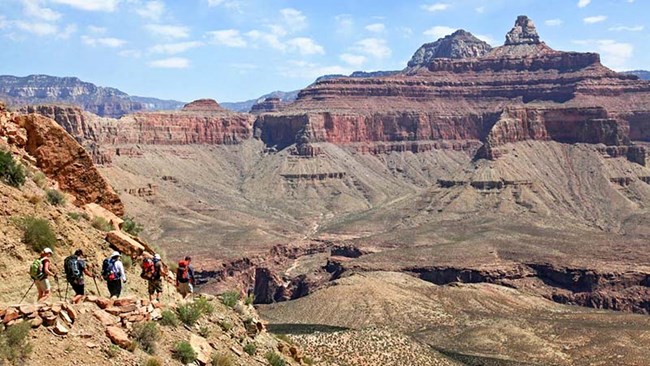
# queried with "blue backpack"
point(109, 270)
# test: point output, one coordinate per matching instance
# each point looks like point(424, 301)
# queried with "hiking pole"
point(58, 287)
point(97, 287)
point(25, 295)
point(66, 290)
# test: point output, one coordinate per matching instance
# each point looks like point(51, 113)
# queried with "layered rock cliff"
point(460, 44)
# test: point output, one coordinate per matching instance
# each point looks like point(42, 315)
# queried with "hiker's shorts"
point(155, 286)
point(43, 285)
point(78, 288)
point(185, 288)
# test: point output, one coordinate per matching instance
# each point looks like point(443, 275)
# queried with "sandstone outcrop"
point(272, 104)
point(460, 44)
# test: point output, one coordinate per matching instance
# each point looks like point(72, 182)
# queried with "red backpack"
point(147, 269)
point(183, 272)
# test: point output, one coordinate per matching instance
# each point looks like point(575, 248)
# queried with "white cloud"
point(637, 28)
point(435, 7)
point(104, 41)
point(376, 27)
point(39, 29)
point(344, 24)
point(553, 22)
point(486, 38)
point(91, 5)
point(69, 30)
point(3, 22)
point(614, 54)
point(305, 46)
point(174, 48)
point(307, 70)
point(583, 3)
point(480, 9)
point(152, 10)
point(171, 63)
point(168, 31)
point(130, 53)
point(270, 39)
point(34, 9)
point(439, 31)
point(293, 19)
point(353, 60)
point(374, 47)
point(595, 19)
point(226, 37)
point(96, 30)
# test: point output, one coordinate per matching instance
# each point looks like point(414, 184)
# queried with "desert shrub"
point(285, 338)
point(250, 348)
point(102, 224)
point(55, 197)
point(275, 359)
point(112, 351)
point(39, 179)
point(37, 233)
point(130, 226)
point(184, 352)
point(222, 359)
point(230, 298)
point(35, 199)
point(76, 216)
point(169, 318)
point(14, 345)
point(204, 306)
point(189, 313)
point(205, 331)
point(308, 360)
point(249, 300)
point(11, 172)
point(153, 361)
point(226, 325)
point(146, 335)
point(127, 262)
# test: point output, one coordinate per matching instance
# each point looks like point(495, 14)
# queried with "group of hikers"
point(76, 269)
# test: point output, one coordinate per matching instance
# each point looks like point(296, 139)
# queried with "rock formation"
point(460, 44)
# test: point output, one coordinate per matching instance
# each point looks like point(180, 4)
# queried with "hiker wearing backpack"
point(153, 273)
point(185, 277)
point(113, 273)
point(75, 268)
point(40, 271)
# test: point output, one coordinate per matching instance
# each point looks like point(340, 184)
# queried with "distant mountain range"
point(103, 101)
point(245, 106)
point(642, 74)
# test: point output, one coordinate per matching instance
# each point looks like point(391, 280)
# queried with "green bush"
point(226, 325)
point(308, 360)
point(250, 348)
point(102, 224)
point(54, 197)
point(222, 359)
point(204, 306)
point(11, 172)
point(127, 262)
point(76, 216)
point(169, 318)
point(130, 226)
point(230, 298)
point(39, 179)
point(146, 335)
point(275, 359)
point(184, 352)
point(189, 314)
point(112, 351)
point(205, 332)
point(14, 345)
point(249, 300)
point(37, 233)
point(153, 361)
point(285, 338)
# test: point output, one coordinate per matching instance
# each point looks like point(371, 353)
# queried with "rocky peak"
point(203, 105)
point(524, 32)
point(460, 44)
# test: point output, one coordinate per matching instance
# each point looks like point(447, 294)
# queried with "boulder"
point(118, 336)
point(10, 314)
point(156, 314)
point(124, 243)
point(103, 302)
point(65, 316)
point(72, 313)
point(104, 317)
point(28, 309)
point(37, 322)
point(60, 329)
point(129, 300)
point(202, 348)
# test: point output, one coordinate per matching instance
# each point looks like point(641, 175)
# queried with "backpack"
point(72, 268)
point(36, 270)
point(147, 269)
point(183, 272)
point(109, 270)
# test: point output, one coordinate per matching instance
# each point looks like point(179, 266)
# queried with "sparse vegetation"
point(230, 298)
point(131, 227)
point(205, 331)
point(275, 359)
point(55, 197)
point(226, 325)
point(153, 361)
point(40, 179)
point(249, 300)
point(308, 360)
point(37, 233)
point(14, 345)
point(285, 338)
point(222, 359)
point(127, 261)
point(146, 335)
point(102, 224)
point(11, 172)
point(35, 199)
point(169, 318)
point(250, 348)
point(189, 313)
point(112, 351)
point(184, 352)
point(204, 306)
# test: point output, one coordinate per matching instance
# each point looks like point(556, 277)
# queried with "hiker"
point(75, 267)
point(113, 273)
point(40, 271)
point(152, 271)
point(185, 277)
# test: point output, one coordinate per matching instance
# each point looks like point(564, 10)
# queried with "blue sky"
point(233, 50)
